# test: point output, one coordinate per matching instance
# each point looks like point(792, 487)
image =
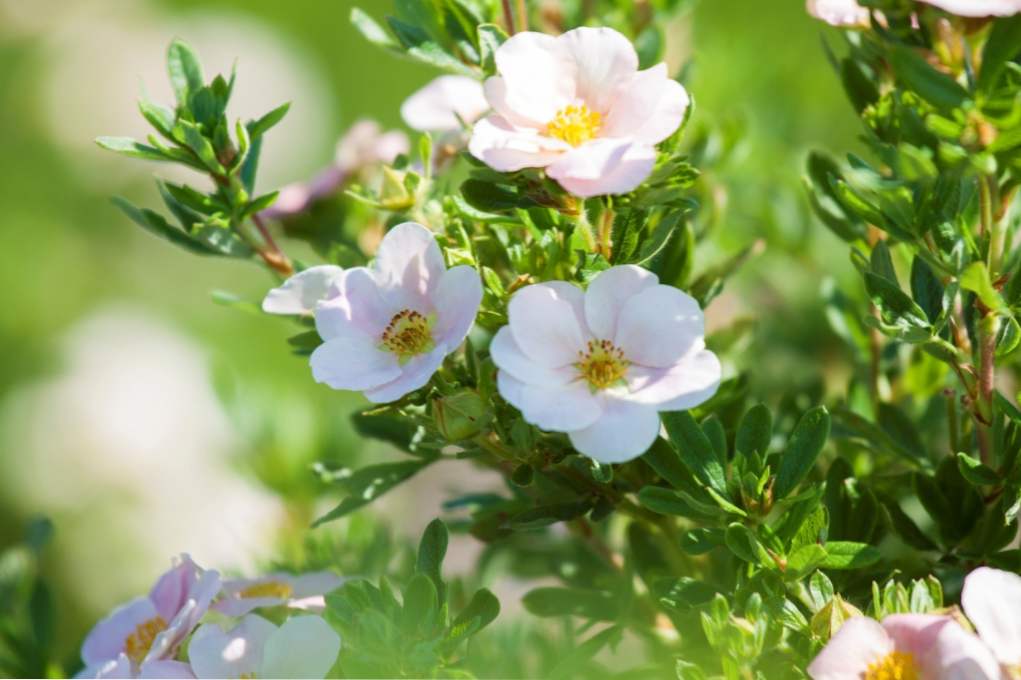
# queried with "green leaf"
point(259, 127)
point(926, 289)
point(371, 30)
point(154, 223)
point(431, 551)
point(934, 86)
point(481, 610)
point(670, 502)
point(976, 279)
point(805, 445)
point(550, 514)
point(130, 147)
point(184, 70)
point(805, 559)
point(849, 555)
point(976, 472)
point(421, 606)
point(1002, 45)
point(491, 37)
point(695, 449)
point(894, 304)
point(369, 483)
point(388, 427)
point(554, 601)
point(755, 431)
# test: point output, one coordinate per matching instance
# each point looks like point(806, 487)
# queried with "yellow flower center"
point(268, 589)
point(137, 645)
point(602, 365)
point(575, 124)
point(893, 666)
point(408, 334)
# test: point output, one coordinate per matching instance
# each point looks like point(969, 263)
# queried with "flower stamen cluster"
point(408, 334)
point(603, 365)
point(139, 642)
point(894, 666)
point(268, 589)
point(575, 124)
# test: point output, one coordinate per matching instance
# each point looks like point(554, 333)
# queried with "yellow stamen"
point(408, 334)
point(575, 124)
point(894, 666)
point(138, 644)
point(268, 589)
point(603, 365)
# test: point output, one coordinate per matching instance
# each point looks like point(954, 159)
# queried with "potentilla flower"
point(304, 591)
point(978, 8)
point(300, 293)
point(141, 637)
point(445, 104)
point(992, 600)
point(577, 105)
point(389, 326)
point(838, 12)
point(904, 647)
point(600, 365)
point(302, 647)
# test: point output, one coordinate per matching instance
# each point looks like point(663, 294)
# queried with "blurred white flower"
point(838, 12)
point(992, 600)
point(978, 8)
point(445, 104)
point(300, 293)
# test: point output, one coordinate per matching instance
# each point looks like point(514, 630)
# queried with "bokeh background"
point(144, 419)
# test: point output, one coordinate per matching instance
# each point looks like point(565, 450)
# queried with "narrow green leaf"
point(849, 555)
point(755, 431)
point(371, 30)
point(259, 127)
point(695, 449)
point(1002, 45)
point(184, 70)
point(976, 472)
point(804, 447)
point(936, 87)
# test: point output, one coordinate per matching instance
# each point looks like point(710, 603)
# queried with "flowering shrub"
point(524, 288)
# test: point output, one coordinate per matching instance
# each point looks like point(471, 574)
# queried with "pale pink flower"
point(838, 12)
point(444, 104)
point(577, 105)
point(300, 293)
point(304, 591)
point(978, 8)
point(389, 326)
point(919, 646)
point(600, 365)
point(992, 600)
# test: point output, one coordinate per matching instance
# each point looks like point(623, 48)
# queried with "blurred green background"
point(145, 419)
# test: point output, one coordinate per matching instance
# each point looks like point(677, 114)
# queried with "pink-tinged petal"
point(303, 647)
point(978, 8)
point(174, 587)
point(992, 600)
point(353, 363)
point(547, 320)
point(359, 305)
point(917, 635)
point(838, 12)
point(237, 653)
point(314, 603)
point(239, 606)
point(509, 358)
point(556, 409)
point(859, 642)
point(623, 431)
point(444, 103)
point(409, 258)
point(603, 167)
point(456, 301)
point(106, 640)
point(159, 670)
point(648, 108)
point(180, 627)
point(962, 656)
point(604, 59)
point(365, 143)
point(504, 147)
point(682, 386)
point(414, 375)
point(315, 583)
point(119, 667)
point(608, 294)
point(538, 76)
point(300, 293)
point(658, 326)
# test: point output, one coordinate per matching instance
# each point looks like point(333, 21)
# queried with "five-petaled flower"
point(600, 365)
point(302, 647)
point(141, 637)
point(978, 8)
point(577, 105)
point(302, 591)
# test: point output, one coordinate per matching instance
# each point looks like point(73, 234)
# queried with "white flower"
point(303, 647)
point(992, 600)
point(577, 105)
point(444, 103)
point(300, 293)
point(600, 365)
point(978, 8)
point(389, 326)
point(365, 143)
point(304, 591)
point(838, 12)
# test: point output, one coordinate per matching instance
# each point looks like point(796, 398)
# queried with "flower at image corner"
point(978, 8)
point(904, 647)
point(601, 364)
point(991, 599)
point(838, 12)
point(577, 105)
point(445, 104)
point(141, 637)
point(304, 591)
point(301, 647)
point(389, 326)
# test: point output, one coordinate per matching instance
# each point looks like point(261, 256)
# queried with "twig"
point(508, 17)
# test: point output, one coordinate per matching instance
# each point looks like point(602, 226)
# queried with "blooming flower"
point(304, 591)
point(600, 365)
point(905, 647)
point(303, 647)
point(389, 326)
point(838, 12)
point(992, 600)
point(300, 293)
point(978, 8)
point(444, 103)
point(140, 638)
point(577, 105)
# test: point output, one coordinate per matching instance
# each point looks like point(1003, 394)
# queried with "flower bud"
point(394, 194)
point(460, 415)
point(831, 617)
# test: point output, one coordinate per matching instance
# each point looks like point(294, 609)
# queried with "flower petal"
point(106, 639)
point(172, 590)
point(608, 293)
point(315, 583)
point(300, 293)
point(859, 642)
point(303, 647)
point(119, 667)
point(165, 669)
point(359, 307)
point(659, 325)
point(604, 59)
point(647, 108)
point(992, 600)
point(168, 641)
point(563, 408)
point(978, 8)
point(444, 103)
point(409, 258)
point(353, 363)
point(686, 384)
point(916, 634)
point(603, 166)
point(216, 653)
point(413, 375)
point(504, 147)
point(547, 320)
point(624, 430)
point(509, 358)
point(838, 12)
point(538, 77)
point(963, 656)
point(456, 299)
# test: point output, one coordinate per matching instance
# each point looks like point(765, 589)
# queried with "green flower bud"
point(460, 415)
point(831, 617)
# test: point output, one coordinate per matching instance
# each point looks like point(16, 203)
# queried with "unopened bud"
point(460, 415)
point(394, 194)
point(828, 620)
